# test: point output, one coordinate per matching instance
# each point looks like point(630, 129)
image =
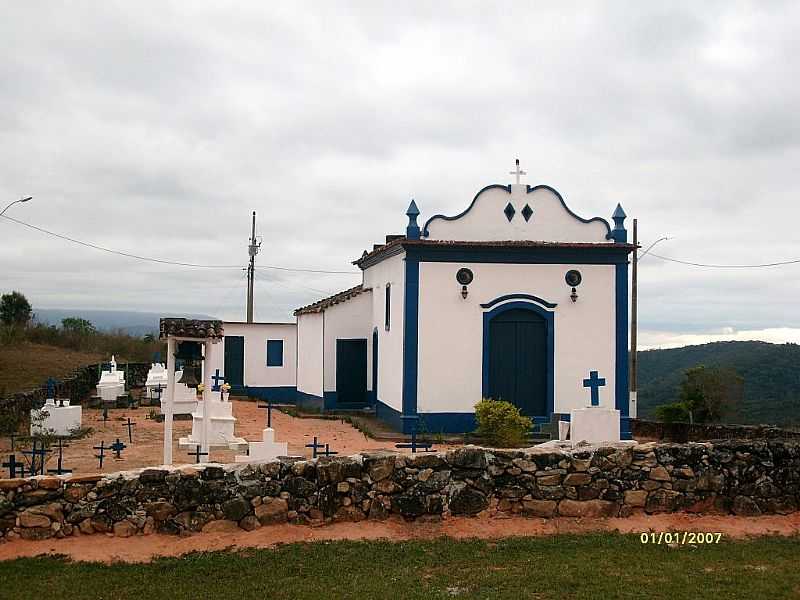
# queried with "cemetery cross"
point(424, 446)
point(130, 425)
point(60, 470)
point(314, 447)
point(102, 454)
point(14, 467)
point(595, 383)
point(268, 406)
point(197, 454)
point(217, 378)
point(117, 447)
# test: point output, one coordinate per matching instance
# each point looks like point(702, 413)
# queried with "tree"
point(15, 309)
point(706, 395)
point(78, 326)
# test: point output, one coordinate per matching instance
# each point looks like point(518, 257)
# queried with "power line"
point(165, 261)
point(716, 266)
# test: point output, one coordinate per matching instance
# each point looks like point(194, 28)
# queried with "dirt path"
point(144, 548)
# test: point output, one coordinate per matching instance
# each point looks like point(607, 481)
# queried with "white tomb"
point(594, 424)
point(111, 384)
point(156, 378)
point(55, 419)
point(220, 424)
point(266, 450)
point(185, 402)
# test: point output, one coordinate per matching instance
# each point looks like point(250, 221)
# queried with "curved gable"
point(518, 212)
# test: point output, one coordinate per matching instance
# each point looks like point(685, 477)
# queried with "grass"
point(26, 366)
point(601, 566)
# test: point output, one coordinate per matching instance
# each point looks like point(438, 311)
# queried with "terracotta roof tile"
point(191, 328)
point(321, 305)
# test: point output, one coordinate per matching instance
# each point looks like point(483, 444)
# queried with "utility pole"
point(252, 249)
point(632, 408)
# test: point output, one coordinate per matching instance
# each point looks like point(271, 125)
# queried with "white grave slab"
point(220, 425)
point(156, 377)
point(185, 398)
point(594, 424)
point(59, 420)
point(266, 450)
point(111, 384)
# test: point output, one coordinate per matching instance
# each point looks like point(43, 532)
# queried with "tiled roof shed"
point(190, 328)
point(321, 305)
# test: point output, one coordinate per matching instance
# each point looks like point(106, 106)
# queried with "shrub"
point(500, 423)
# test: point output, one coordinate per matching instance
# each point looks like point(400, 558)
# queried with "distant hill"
point(130, 322)
point(771, 373)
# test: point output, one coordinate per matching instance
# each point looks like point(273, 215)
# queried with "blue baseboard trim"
point(286, 394)
point(450, 422)
point(309, 401)
point(389, 415)
point(331, 402)
point(625, 428)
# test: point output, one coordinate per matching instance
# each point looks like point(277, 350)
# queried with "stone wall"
point(743, 478)
point(698, 432)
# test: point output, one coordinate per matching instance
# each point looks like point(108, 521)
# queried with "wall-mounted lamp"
point(573, 279)
point(464, 277)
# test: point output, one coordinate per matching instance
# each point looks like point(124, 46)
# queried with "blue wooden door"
point(234, 362)
point(518, 360)
point(351, 372)
point(375, 366)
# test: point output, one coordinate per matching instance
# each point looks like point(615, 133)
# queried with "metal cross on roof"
point(130, 425)
point(117, 447)
point(101, 456)
point(197, 454)
point(14, 467)
point(517, 172)
point(595, 383)
point(314, 447)
point(424, 446)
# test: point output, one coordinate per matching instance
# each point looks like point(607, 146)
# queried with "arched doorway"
point(518, 357)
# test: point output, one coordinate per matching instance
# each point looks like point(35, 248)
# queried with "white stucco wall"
point(451, 330)
point(256, 372)
point(390, 343)
point(349, 320)
point(309, 353)
point(486, 220)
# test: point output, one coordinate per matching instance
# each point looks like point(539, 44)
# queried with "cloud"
point(157, 130)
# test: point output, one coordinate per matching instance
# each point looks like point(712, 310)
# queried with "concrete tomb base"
point(594, 424)
point(220, 427)
point(60, 420)
point(266, 450)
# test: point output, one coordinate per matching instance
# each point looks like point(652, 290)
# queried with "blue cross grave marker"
point(424, 446)
point(51, 387)
point(39, 451)
point(14, 467)
point(60, 470)
point(217, 378)
point(117, 447)
point(268, 406)
point(595, 383)
point(314, 447)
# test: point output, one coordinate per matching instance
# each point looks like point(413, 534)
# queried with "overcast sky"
point(156, 128)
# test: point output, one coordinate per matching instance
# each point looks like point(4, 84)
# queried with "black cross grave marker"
point(39, 451)
point(424, 446)
point(117, 447)
point(197, 454)
point(268, 406)
point(328, 451)
point(101, 456)
point(130, 425)
point(13, 439)
point(60, 470)
point(314, 447)
point(14, 467)
point(105, 414)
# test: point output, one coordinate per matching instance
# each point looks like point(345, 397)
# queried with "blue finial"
point(412, 229)
point(619, 233)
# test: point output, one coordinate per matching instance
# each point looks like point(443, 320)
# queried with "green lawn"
point(587, 566)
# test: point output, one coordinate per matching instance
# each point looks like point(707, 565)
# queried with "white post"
point(168, 405)
point(207, 384)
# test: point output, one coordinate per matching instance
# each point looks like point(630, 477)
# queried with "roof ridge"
point(337, 298)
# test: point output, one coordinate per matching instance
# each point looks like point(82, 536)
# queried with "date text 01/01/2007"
point(680, 537)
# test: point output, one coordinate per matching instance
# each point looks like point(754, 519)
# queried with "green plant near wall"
point(501, 423)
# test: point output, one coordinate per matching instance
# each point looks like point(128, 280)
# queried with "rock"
point(221, 526)
point(349, 513)
point(250, 523)
point(386, 486)
point(299, 486)
point(191, 520)
point(636, 498)
point(409, 506)
point(745, 507)
point(378, 512)
point(526, 466)
point(124, 529)
point(75, 492)
point(152, 476)
point(100, 523)
point(589, 508)
point(33, 519)
point(539, 508)
point(50, 483)
point(550, 480)
point(659, 474)
point(467, 501)
point(424, 475)
point(53, 511)
point(236, 509)
point(650, 485)
point(581, 465)
point(379, 466)
point(36, 533)
point(86, 526)
point(661, 501)
point(149, 526)
point(468, 458)
point(342, 487)
point(211, 473)
point(710, 482)
point(577, 479)
point(273, 511)
point(160, 511)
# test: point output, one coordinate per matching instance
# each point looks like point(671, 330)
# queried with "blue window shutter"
point(274, 353)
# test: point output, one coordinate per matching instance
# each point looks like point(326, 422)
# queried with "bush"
point(500, 423)
point(672, 413)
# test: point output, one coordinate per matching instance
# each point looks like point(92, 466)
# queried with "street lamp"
point(13, 203)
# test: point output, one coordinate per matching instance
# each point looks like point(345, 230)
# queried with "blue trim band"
point(606, 254)
point(622, 394)
point(284, 394)
point(549, 318)
point(536, 299)
point(389, 415)
point(410, 341)
point(309, 401)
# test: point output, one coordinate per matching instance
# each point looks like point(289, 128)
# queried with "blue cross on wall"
point(217, 378)
point(595, 383)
